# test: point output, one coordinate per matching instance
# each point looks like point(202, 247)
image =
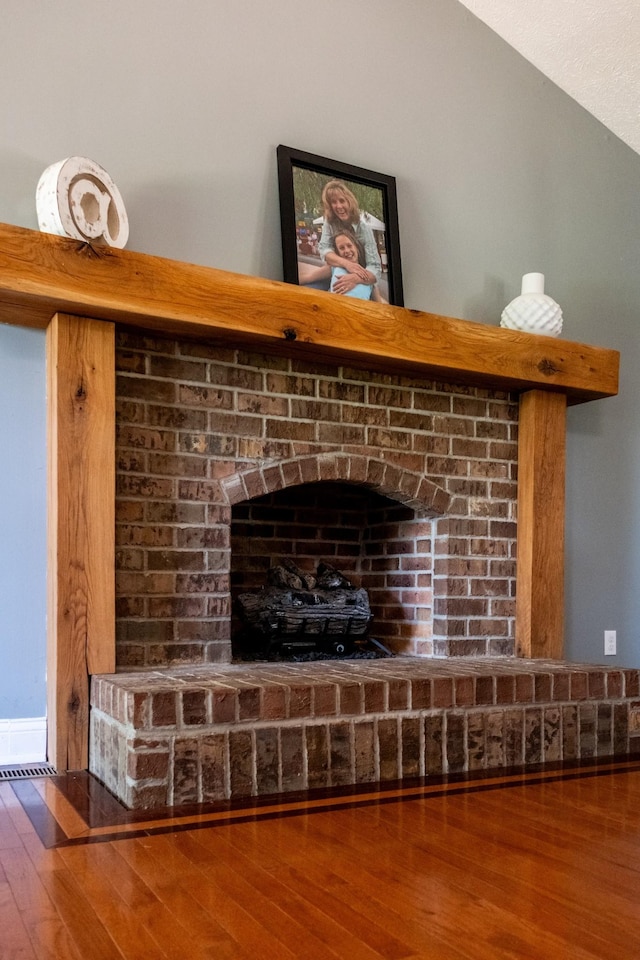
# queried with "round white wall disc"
point(77, 198)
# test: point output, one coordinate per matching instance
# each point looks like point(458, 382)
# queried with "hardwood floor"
point(540, 866)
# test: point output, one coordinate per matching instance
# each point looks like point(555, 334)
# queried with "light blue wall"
point(499, 173)
point(22, 524)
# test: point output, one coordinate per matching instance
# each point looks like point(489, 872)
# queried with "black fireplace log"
point(300, 604)
point(274, 611)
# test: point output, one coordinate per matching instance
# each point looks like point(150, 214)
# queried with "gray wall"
point(499, 173)
point(22, 524)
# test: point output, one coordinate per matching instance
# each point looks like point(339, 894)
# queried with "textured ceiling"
point(589, 48)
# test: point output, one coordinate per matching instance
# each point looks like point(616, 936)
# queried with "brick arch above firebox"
point(405, 486)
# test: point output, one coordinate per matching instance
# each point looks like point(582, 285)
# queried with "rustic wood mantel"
point(79, 293)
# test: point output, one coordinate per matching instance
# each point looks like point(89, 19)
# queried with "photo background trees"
point(307, 193)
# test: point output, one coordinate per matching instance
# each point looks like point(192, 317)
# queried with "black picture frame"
point(301, 179)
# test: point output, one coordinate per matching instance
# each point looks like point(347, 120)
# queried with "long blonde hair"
point(330, 190)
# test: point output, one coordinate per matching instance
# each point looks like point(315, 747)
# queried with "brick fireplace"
point(286, 399)
point(228, 460)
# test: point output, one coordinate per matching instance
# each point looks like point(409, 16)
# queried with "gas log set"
point(301, 615)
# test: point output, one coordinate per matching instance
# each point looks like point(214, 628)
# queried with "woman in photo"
point(341, 211)
point(347, 282)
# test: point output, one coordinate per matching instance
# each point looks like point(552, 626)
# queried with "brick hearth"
point(229, 460)
point(199, 734)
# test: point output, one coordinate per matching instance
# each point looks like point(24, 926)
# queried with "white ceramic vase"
point(533, 311)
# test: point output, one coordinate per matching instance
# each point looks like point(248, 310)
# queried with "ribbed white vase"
point(533, 311)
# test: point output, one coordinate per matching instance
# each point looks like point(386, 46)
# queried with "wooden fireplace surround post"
point(78, 294)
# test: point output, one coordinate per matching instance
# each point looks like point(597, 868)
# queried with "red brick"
point(421, 694)
point(248, 703)
point(129, 559)
point(145, 797)
point(351, 698)
point(290, 430)
point(291, 749)
point(317, 750)
point(364, 754)
point(374, 696)
point(224, 705)
point(145, 438)
point(364, 416)
point(299, 701)
point(143, 388)
point(240, 763)
point(442, 692)
point(274, 705)
point(139, 583)
point(149, 536)
point(632, 683)
point(341, 754)
point(339, 390)
point(175, 560)
point(213, 765)
point(142, 486)
point(410, 421)
point(148, 766)
point(324, 699)
point(614, 684)
point(129, 362)
point(177, 607)
point(175, 465)
point(464, 691)
point(579, 686)
point(202, 630)
point(174, 654)
point(524, 688)
point(503, 451)
point(505, 689)
point(163, 709)
point(263, 405)
point(194, 707)
point(399, 692)
point(484, 691)
point(214, 398)
point(596, 684)
point(298, 386)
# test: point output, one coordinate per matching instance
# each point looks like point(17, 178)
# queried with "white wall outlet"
point(610, 643)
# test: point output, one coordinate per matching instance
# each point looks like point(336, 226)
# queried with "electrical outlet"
point(610, 643)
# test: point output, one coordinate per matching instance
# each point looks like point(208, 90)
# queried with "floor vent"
point(27, 771)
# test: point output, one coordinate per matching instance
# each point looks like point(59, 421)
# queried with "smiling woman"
point(341, 212)
point(350, 275)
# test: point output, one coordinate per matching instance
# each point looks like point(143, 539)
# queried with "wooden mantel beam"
point(41, 275)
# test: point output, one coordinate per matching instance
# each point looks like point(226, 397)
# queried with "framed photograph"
point(339, 227)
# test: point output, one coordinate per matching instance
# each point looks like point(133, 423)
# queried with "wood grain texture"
point(541, 503)
point(540, 870)
point(41, 274)
point(81, 524)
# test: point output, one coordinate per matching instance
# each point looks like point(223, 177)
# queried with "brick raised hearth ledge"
point(234, 731)
point(79, 294)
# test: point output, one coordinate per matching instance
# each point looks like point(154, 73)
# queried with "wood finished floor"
point(536, 865)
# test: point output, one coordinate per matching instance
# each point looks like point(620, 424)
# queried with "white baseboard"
point(23, 741)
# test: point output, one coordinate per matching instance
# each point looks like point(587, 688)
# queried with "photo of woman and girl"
point(348, 249)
